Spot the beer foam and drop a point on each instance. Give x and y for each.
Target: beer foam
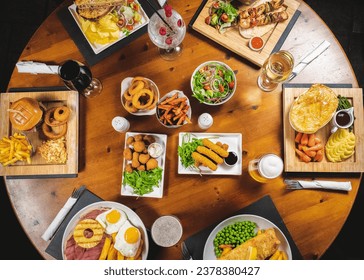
(271, 166)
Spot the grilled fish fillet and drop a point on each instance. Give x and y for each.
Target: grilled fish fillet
(266, 243)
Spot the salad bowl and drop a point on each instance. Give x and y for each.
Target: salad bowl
(213, 83)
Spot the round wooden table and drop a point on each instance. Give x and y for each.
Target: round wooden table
(313, 218)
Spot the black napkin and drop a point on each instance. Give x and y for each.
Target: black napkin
(281, 40)
(76, 34)
(55, 246)
(264, 207)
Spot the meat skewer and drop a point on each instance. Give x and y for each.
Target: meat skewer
(266, 13)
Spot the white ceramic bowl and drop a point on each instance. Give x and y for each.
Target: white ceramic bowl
(223, 99)
(125, 85)
(168, 95)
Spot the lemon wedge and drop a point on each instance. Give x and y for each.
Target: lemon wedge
(252, 253)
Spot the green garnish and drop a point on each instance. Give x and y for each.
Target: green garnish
(189, 145)
(143, 182)
(343, 103)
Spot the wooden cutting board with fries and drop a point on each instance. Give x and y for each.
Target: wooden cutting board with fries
(35, 164)
(232, 39)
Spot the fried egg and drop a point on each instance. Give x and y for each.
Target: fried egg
(127, 241)
(112, 220)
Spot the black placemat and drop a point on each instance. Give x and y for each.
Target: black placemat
(55, 246)
(263, 207)
(76, 34)
(281, 40)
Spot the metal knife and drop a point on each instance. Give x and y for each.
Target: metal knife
(308, 58)
(47, 235)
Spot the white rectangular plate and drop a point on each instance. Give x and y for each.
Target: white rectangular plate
(157, 191)
(234, 140)
(97, 48)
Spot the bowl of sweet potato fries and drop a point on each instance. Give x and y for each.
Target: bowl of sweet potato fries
(174, 110)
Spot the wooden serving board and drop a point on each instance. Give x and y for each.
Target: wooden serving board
(352, 164)
(39, 166)
(232, 39)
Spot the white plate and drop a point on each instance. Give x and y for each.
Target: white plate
(125, 84)
(97, 48)
(234, 140)
(157, 191)
(262, 223)
(132, 217)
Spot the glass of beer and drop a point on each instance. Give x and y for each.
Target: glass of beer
(265, 168)
(276, 69)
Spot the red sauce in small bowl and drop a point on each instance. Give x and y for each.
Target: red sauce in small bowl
(256, 43)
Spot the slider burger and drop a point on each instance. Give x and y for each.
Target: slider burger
(25, 114)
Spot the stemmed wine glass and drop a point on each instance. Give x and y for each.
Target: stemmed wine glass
(166, 29)
(277, 68)
(77, 76)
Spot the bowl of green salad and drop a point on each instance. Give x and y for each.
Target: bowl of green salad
(213, 83)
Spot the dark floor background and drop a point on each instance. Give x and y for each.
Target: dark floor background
(21, 18)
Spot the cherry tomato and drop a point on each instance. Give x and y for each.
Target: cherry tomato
(224, 17)
(216, 5)
(231, 84)
(207, 87)
(208, 20)
(129, 27)
(221, 88)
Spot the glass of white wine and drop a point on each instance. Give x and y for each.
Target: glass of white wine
(276, 69)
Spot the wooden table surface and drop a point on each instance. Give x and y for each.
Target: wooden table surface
(314, 218)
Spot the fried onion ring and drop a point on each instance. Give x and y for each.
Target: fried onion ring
(62, 113)
(136, 87)
(51, 134)
(130, 107)
(50, 120)
(136, 99)
(152, 106)
(127, 95)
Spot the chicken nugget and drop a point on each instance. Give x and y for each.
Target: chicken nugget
(210, 154)
(130, 140)
(135, 161)
(143, 158)
(152, 163)
(139, 146)
(128, 168)
(148, 139)
(138, 137)
(141, 167)
(128, 154)
(204, 161)
(220, 151)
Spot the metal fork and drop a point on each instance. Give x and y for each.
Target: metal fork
(185, 253)
(315, 184)
(76, 193)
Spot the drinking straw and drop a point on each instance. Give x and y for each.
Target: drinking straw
(156, 11)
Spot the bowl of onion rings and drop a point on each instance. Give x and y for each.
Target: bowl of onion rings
(174, 109)
(139, 95)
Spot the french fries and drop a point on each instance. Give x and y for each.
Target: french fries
(279, 255)
(109, 252)
(15, 148)
(173, 110)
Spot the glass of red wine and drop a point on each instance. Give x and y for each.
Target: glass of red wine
(77, 76)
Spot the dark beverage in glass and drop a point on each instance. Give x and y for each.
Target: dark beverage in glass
(78, 76)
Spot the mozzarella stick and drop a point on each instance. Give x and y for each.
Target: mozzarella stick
(204, 161)
(220, 151)
(210, 154)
